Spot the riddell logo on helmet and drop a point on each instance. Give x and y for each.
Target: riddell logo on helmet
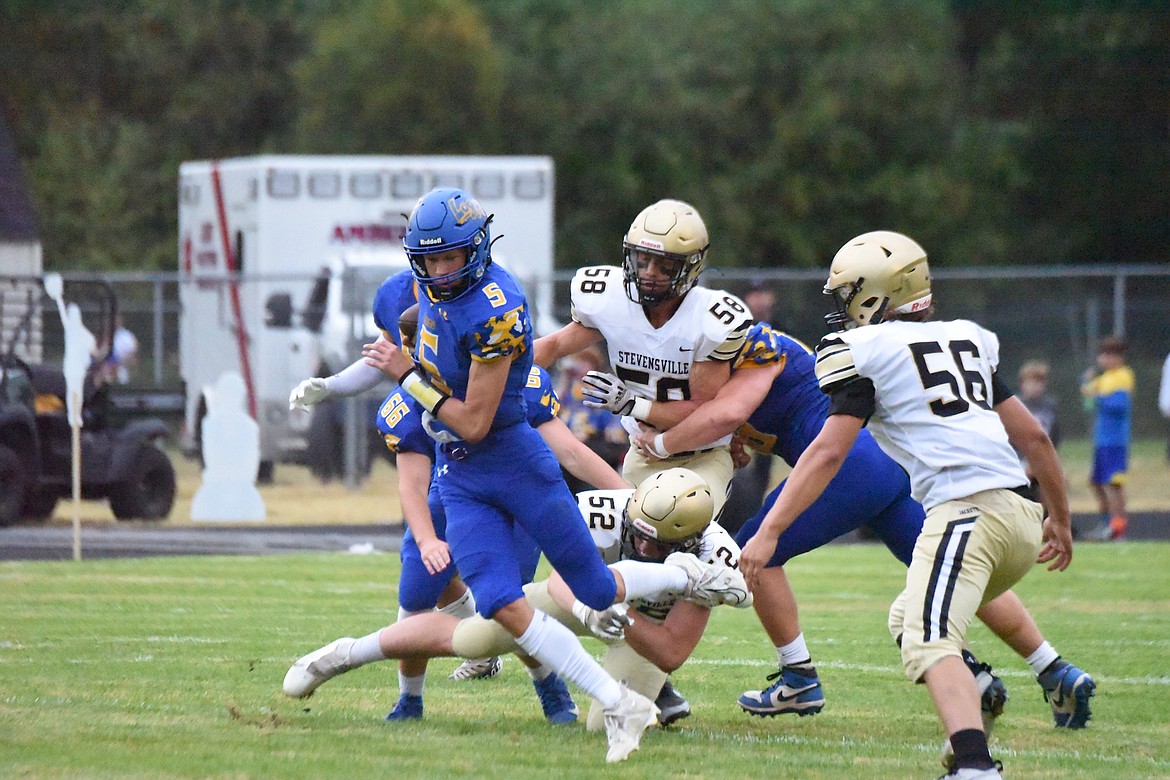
(644, 528)
(430, 241)
(652, 244)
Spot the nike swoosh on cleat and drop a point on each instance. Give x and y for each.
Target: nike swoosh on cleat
(796, 693)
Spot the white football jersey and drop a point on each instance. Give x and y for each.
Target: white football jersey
(603, 510)
(933, 416)
(655, 363)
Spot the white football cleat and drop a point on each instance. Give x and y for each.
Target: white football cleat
(711, 584)
(311, 671)
(478, 668)
(625, 722)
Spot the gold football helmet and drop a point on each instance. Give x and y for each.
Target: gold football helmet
(673, 233)
(667, 513)
(875, 274)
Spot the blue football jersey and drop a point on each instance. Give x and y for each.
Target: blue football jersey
(399, 420)
(488, 323)
(399, 417)
(395, 295)
(793, 411)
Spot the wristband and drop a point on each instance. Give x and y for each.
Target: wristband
(581, 611)
(422, 391)
(641, 410)
(657, 447)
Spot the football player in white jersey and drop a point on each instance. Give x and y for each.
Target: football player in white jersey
(667, 517)
(934, 403)
(668, 338)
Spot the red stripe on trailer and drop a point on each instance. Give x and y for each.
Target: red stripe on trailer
(234, 290)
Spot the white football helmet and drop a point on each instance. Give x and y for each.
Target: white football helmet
(875, 274)
(670, 509)
(674, 232)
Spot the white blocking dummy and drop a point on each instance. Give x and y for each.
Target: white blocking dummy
(231, 456)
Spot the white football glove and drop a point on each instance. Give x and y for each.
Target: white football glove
(607, 624)
(606, 391)
(436, 430)
(309, 392)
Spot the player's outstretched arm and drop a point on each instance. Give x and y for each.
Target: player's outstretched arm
(668, 645)
(817, 466)
(701, 424)
(414, 479)
(355, 378)
(1028, 436)
(570, 339)
(577, 458)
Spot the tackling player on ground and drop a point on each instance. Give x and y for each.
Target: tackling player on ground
(668, 516)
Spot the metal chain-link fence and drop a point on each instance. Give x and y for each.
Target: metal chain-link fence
(1053, 314)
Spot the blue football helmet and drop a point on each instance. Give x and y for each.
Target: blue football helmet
(448, 218)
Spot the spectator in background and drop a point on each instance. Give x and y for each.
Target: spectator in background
(1108, 392)
(123, 354)
(1164, 397)
(750, 483)
(1043, 405)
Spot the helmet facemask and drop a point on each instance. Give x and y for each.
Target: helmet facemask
(667, 513)
(681, 272)
(670, 235)
(844, 297)
(633, 531)
(876, 275)
(446, 219)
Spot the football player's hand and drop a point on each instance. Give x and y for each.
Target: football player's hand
(607, 624)
(385, 356)
(754, 557)
(647, 442)
(1058, 545)
(309, 392)
(606, 391)
(435, 554)
(740, 457)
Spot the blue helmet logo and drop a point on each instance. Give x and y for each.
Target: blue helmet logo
(447, 218)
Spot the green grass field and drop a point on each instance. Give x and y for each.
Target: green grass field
(172, 668)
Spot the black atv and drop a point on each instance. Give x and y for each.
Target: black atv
(120, 462)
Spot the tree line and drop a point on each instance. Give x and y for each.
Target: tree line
(994, 133)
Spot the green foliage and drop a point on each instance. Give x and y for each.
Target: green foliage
(993, 133)
(172, 668)
(400, 78)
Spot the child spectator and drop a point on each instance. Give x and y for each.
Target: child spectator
(1108, 392)
(1033, 378)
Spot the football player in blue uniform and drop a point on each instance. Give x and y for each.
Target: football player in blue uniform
(775, 403)
(428, 579)
(473, 360)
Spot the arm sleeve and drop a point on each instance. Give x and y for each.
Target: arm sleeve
(1000, 392)
(355, 378)
(856, 399)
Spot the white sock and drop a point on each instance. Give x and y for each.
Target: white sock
(367, 650)
(411, 685)
(1042, 657)
(557, 647)
(795, 652)
(462, 607)
(644, 580)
